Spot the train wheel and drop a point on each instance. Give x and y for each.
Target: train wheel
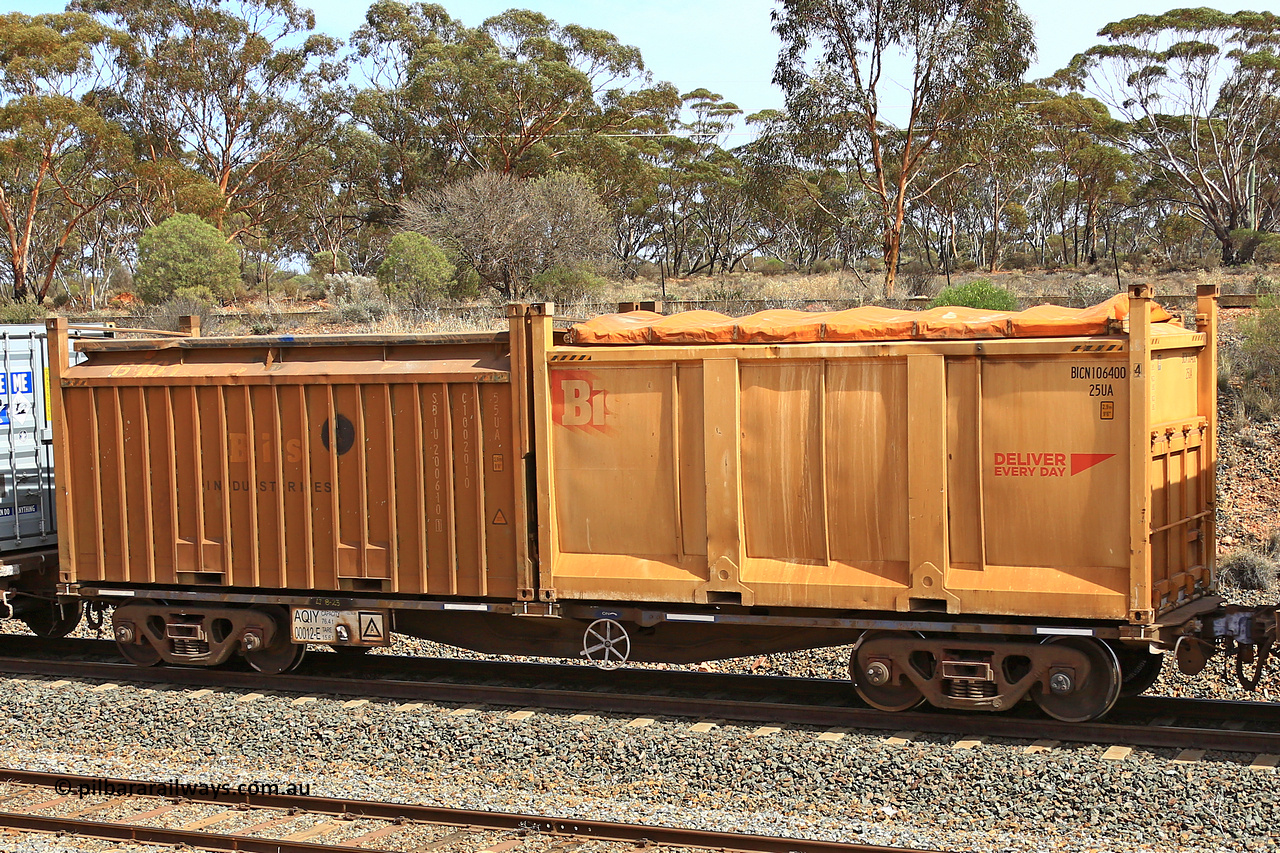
(57, 620)
(1138, 671)
(282, 655)
(876, 682)
(1073, 701)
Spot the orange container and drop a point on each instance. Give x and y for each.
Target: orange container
(1050, 464)
(378, 464)
(950, 461)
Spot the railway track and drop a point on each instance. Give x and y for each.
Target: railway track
(79, 806)
(1144, 721)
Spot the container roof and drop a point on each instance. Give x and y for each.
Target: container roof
(869, 323)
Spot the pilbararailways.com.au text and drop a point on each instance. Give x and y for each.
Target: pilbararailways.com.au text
(177, 788)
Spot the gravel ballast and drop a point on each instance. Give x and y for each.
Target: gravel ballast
(922, 793)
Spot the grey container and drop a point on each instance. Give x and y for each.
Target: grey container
(27, 516)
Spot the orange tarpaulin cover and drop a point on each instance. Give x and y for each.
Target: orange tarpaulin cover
(868, 323)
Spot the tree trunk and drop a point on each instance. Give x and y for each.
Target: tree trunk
(892, 249)
(20, 288)
(1228, 251)
(995, 228)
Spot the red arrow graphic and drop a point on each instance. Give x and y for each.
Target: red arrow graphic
(1085, 461)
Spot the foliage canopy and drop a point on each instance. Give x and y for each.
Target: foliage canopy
(185, 255)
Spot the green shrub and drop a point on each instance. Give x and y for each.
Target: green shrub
(566, 285)
(167, 314)
(416, 272)
(1247, 570)
(356, 299)
(772, 266)
(199, 293)
(298, 285)
(322, 264)
(1136, 261)
(465, 285)
(1258, 359)
(22, 312)
(1090, 291)
(1019, 261)
(263, 322)
(1257, 246)
(357, 311)
(185, 253)
(979, 293)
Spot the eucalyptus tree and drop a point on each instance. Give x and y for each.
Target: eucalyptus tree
(694, 164)
(1200, 91)
(515, 94)
(237, 93)
(838, 67)
(1000, 143)
(330, 213)
(507, 230)
(61, 160)
(1066, 125)
(422, 143)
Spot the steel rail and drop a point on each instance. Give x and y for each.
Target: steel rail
(594, 830)
(818, 691)
(139, 834)
(770, 707)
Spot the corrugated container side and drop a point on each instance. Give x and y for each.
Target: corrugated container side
(383, 466)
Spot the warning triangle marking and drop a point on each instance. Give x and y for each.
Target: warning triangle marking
(499, 518)
(371, 629)
(1085, 461)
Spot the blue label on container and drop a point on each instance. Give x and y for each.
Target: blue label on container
(30, 509)
(18, 382)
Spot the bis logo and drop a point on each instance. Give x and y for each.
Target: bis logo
(579, 401)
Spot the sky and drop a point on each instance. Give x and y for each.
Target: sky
(728, 46)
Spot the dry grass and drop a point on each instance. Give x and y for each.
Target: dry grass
(1032, 285)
